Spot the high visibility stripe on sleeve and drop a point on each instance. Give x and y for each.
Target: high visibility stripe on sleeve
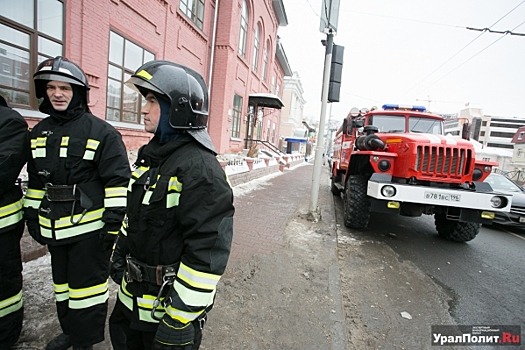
(182, 316)
(11, 214)
(145, 305)
(135, 174)
(197, 279)
(193, 297)
(33, 198)
(115, 197)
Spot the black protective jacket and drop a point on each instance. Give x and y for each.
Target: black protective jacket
(83, 157)
(180, 213)
(14, 152)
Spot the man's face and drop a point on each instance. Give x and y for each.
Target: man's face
(59, 94)
(151, 113)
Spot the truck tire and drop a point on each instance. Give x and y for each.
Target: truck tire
(333, 187)
(356, 202)
(455, 230)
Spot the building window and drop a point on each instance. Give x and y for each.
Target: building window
(237, 116)
(520, 152)
(265, 61)
(244, 29)
(520, 135)
(268, 124)
(273, 133)
(123, 103)
(30, 32)
(256, 43)
(194, 10)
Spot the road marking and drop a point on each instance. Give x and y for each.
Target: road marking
(512, 233)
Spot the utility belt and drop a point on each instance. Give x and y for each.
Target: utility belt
(61, 193)
(141, 272)
(75, 194)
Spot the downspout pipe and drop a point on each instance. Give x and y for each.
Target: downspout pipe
(212, 51)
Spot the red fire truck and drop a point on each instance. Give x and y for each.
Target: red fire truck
(398, 160)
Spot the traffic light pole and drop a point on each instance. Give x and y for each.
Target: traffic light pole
(319, 148)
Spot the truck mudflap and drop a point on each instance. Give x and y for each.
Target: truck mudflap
(436, 196)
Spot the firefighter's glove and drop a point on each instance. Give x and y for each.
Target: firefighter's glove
(34, 231)
(118, 259)
(108, 235)
(172, 334)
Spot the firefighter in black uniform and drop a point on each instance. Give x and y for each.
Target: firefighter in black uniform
(14, 152)
(76, 199)
(175, 242)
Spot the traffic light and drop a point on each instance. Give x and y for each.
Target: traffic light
(336, 71)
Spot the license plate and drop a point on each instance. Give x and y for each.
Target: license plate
(522, 218)
(443, 197)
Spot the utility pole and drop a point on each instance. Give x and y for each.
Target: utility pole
(329, 17)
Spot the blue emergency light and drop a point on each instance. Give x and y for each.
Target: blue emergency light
(393, 106)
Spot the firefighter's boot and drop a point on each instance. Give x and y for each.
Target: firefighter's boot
(60, 342)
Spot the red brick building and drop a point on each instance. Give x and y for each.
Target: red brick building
(232, 43)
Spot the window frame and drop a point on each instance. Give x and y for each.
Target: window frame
(243, 31)
(236, 116)
(35, 49)
(195, 13)
(124, 72)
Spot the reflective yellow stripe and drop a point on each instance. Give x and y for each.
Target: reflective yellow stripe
(145, 305)
(89, 291)
(174, 184)
(35, 193)
(11, 214)
(182, 316)
(63, 146)
(115, 192)
(172, 200)
(89, 302)
(12, 304)
(92, 144)
(147, 197)
(61, 292)
(137, 173)
(89, 216)
(89, 155)
(193, 297)
(198, 279)
(124, 296)
(11, 220)
(38, 147)
(9, 209)
(86, 297)
(76, 230)
(115, 202)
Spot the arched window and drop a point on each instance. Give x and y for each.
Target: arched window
(244, 29)
(256, 44)
(265, 60)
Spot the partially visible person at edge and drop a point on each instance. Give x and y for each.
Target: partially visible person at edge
(175, 241)
(14, 152)
(76, 199)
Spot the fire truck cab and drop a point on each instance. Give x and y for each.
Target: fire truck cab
(398, 160)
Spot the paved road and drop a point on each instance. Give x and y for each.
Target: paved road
(480, 282)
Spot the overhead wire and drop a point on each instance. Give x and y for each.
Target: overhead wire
(462, 49)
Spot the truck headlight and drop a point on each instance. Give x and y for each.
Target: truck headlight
(498, 202)
(388, 191)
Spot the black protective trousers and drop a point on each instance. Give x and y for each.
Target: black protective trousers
(123, 337)
(81, 266)
(10, 284)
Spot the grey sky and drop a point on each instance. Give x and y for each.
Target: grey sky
(409, 52)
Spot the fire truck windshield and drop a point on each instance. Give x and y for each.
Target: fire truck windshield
(397, 124)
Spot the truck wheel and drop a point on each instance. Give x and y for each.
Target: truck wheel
(455, 230)
(356, 203)
(333, 187)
